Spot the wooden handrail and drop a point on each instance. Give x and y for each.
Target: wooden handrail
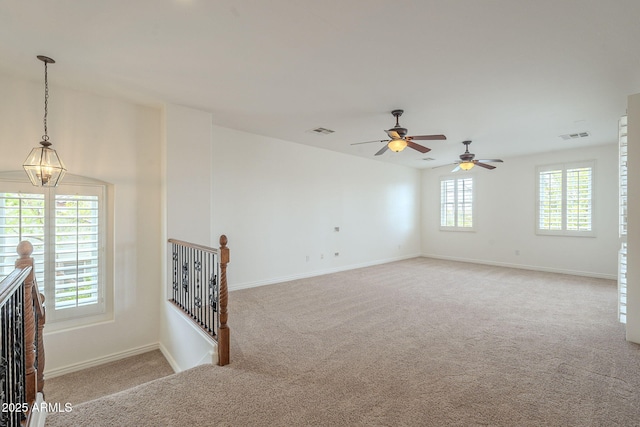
(9, 284)
(194, 246)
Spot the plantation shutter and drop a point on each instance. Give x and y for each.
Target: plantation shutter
(22, 217)
(579, 199)
(456, 203)
(77, 247)
(550, 200)
(447, 203)
(66, 231)
(622, 253)
(465, 202)
(565, 199)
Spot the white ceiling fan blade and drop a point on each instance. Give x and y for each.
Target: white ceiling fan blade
(369, 142)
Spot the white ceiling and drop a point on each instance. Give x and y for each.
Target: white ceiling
(512, 75)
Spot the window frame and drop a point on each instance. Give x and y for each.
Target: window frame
(13, 182)
(563, 168)
(457, 203)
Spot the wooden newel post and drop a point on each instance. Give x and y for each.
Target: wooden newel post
(40, 344)
(223, 329)
(25, 249)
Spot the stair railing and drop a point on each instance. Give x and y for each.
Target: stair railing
(22, 358)
(199, 288)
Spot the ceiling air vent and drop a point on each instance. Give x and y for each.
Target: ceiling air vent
(576, 135)
(322, 131)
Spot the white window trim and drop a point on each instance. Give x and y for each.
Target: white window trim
(16, 181)
(456, 178)
(564, 166)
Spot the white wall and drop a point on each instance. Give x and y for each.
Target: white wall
(119, 143)
(633, 217)
(505, 218)
(187, 192)
(187, 173)
(278, 203)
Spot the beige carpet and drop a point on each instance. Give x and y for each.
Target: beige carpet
(420, 342)
(92, 383)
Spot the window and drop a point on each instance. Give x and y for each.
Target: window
(565, 199)
(66, 227)
(456, 203)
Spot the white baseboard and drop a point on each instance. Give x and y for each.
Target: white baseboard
(526, 267)
(100, 360)
(316, 273)
(209, 357)
(172, 362)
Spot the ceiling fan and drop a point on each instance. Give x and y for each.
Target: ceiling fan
(399, 139)
(467, 161)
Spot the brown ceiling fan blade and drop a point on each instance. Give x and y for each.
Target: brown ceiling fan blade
(418, 147)
(484, 165)
(369, 142)
(490, 160)
(382, 150)
(393, 134)
(428, 137)
(456, 169)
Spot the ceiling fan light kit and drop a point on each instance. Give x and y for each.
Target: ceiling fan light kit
(467, 160)
(398, 139)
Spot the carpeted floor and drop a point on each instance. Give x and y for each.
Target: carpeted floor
(420, 342)
(92, 383)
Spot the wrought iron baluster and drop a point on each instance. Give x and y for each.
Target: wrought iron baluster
(196, 286)
(174, 260)
(13, 378)
(197, 270)
(203, 292)
(202, 284)
(191, 282)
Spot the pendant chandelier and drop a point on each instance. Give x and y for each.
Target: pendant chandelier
(43, 166)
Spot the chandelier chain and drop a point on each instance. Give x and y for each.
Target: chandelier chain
(45, 137)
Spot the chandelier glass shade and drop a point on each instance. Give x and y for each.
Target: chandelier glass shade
(397, 145)
(44, 167)
(467, 165)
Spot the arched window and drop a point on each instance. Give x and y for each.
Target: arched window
(67, 226)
